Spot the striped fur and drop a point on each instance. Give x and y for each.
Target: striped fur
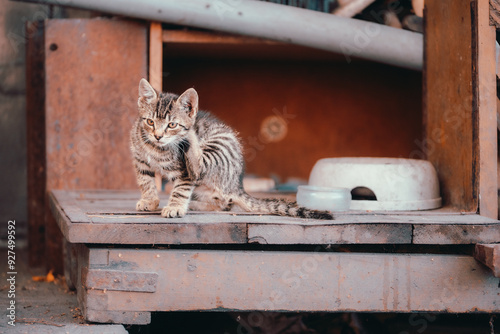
(200, 154)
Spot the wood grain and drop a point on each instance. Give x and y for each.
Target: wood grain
(485, 85)
(90, 217)
(302, 281)
(448, 100)
(489, 255)
(460, 103)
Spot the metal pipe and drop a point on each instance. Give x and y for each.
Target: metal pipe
(350, 37)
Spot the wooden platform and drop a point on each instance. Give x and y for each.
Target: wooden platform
(124, 264)
(109, 217)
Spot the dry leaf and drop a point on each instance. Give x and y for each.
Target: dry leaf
(49, 278)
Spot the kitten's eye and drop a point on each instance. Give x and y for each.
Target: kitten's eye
(150, 122)
(172, 125)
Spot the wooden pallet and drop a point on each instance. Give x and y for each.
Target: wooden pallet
(125, 265)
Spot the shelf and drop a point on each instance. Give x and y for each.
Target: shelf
(108, 217)
(215, 45)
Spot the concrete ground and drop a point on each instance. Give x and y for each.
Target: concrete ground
(41, 307)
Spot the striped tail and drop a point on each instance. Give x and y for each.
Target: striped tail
(280, 207)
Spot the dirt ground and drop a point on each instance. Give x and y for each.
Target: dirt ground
(41, 307)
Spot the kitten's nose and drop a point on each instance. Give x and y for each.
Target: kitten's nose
(158, 137)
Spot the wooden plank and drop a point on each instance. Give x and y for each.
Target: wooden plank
(486, 90)
(489, 255)
(200, 217)
(214, 217)
(330, 234)
(157, 234)
(59, 216)
(302, 281)
(240, 228)
(445, 234)
(120, 280)
(35, 135)
(449, 110)
(70, 257)
(118, 317)
(71, 208)
(203, 37)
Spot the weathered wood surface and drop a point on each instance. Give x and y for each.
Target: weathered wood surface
(489, 255)
(448, 103)
(295, 281)
(459, 103)
(108, 217)
(486, 90)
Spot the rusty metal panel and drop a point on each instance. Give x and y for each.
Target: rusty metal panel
(92, 71)
(302, 281)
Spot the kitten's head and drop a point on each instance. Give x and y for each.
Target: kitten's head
(166, 118)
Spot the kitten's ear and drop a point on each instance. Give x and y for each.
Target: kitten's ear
(146, 92)
(189, 101)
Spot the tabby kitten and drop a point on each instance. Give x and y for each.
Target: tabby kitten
(200, 154)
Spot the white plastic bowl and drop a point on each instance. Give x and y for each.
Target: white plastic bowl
(398, 184)
(324, 198)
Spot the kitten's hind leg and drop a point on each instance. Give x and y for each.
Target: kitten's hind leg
(208, 199)
(179, 199)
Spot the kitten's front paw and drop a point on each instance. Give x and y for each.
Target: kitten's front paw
(147, 204)
(173, 212)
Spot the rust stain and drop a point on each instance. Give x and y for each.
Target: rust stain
(218, 302)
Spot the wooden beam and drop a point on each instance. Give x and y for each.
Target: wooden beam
(460, 117)
(489, 255)
(486, 104)
(190, 280)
